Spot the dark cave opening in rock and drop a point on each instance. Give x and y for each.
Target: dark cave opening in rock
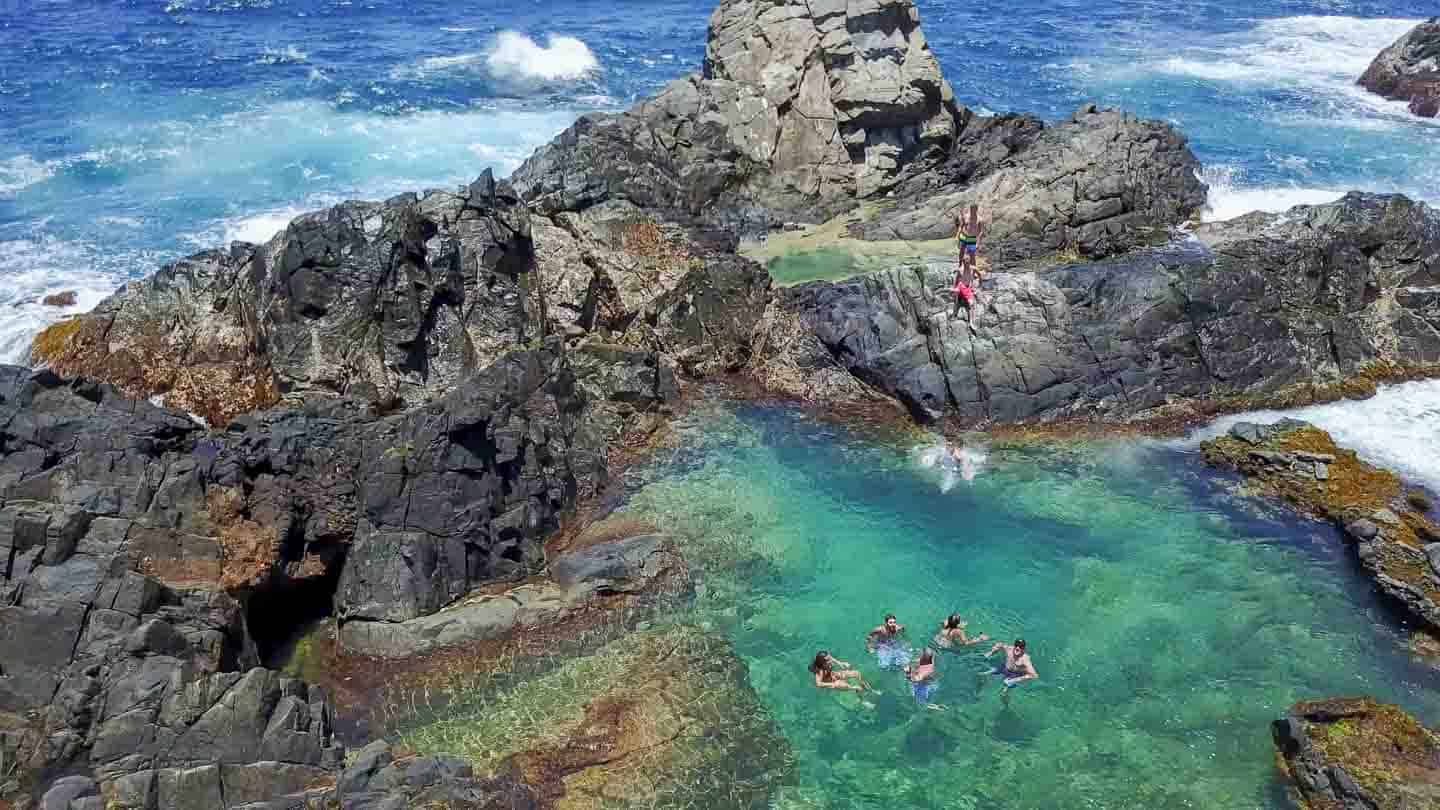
(282, 618)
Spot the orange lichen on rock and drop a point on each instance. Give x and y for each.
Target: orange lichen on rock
(1392, 761)
(249, 552)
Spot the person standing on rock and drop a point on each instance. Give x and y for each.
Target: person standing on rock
(967, 277)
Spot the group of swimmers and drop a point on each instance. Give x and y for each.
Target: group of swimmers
(888, 644)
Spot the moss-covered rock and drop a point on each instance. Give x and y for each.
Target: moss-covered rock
(1356, 753)
(656, 718)
(1301, 464)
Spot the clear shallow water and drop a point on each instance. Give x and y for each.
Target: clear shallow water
(1169, 626)
(137, 131)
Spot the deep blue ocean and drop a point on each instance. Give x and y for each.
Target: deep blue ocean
(136, 131)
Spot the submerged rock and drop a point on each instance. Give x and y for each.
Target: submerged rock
(1357, 753)
(1392, 540)
(66, 298)
(1409, 70)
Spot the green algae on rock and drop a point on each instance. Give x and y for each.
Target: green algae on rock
(662, 717)
(1348, 753)
(1301, 464)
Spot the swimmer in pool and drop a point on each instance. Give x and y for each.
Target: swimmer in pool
(923, 678)
(952, 634)
(1017, 668)
(887, 645)
(833, 674)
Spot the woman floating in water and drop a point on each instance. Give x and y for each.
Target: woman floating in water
(832, 674)
(922, 679)
(889, 648)
(952, 634)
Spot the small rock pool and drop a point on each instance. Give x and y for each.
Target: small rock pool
(1170, 622)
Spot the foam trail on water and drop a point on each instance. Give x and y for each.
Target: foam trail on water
(1398, 428)
(21, 172)
(955, 464)
(515, 56)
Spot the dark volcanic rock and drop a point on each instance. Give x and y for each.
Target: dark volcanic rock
(1409, 70)
(1256, 307)
(395, 303)
(804, 109)
(1356, 754)
(125, 528)
(60, 299)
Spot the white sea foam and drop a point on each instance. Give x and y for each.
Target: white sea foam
(288, 55)
(21, 172)
(1229, 197)
(32, 268)
(1398, 428)
(516, 57)
(953, 464)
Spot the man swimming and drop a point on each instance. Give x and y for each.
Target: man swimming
(922, 678)
(1017, 669)
(885, 642)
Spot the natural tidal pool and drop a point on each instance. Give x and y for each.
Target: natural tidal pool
(1168, 621)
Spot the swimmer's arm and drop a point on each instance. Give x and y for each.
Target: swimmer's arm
(998, 646)
(1030, 673)
(842, 664)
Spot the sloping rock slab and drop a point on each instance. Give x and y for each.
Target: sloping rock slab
(1409, 70)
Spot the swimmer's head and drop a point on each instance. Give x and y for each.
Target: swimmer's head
(954, 622)
(821, 662)
(927, 656)
(1020, 645)
(890, 621)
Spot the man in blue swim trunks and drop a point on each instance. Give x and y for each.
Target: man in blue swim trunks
(1017, 668)
(885, 642)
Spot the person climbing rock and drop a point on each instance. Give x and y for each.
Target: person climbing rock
(968, 231)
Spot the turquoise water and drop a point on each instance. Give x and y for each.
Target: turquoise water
(1169, 625)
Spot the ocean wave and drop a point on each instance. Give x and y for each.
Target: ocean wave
(288, 55)
(515, 59)
(1386, 429)
(34, 267)
(21, 172)
(1229, 197)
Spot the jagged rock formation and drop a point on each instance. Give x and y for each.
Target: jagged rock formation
(1397, 544)
(1097, 184)
(804, 109)
(1356, 753)
(1255, 310)
(124, 527)
(1409, 70)
(392, 303)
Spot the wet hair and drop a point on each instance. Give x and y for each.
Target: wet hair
(821, 662)
(889, 616)
(927, 656)
(974, 207)
(1020, 643)
(952, 622)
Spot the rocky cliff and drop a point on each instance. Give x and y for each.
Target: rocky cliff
(803, 109)
(1262, 309)
(1409, 70)
(1356, 753)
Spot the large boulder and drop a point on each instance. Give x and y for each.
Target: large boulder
(799, 108)
(1266, 309)
(1409, 70)
(1357, 754)
(804, 109)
